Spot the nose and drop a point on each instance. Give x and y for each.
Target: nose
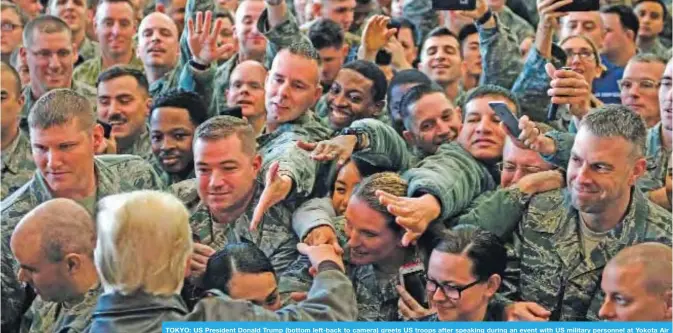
(438, 295)
(607, 310)
(167, 143)
(353, 239)
(216, 180)
(484, 126)
(340, 99)
(583, 174)
(284, 89)
(518, 174)
(444, 128)
(54, 160)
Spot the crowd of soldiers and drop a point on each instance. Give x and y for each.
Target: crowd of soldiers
(333, 160)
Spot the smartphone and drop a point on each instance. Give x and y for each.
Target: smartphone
(553, 108)
(581, 6)
(383, 58)
(234, 111)
(107, 128)
(454, 4)
(506, 117)
(412, 277)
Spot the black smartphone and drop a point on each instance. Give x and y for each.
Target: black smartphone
(107, 128)
(412, 277)
(454, 4)
(233, 111)
(506, 116)
(383, 58)
(581, 6)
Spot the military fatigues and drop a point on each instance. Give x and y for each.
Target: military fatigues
(88, 71)
(17, 165)
(88, 50)
(141, 146)
(421, 14)
(658, 49)
(114, 174)
(657, 158)
(72, 317)
(80, 87)
(520, 27)
(555, 270)
(170, 178)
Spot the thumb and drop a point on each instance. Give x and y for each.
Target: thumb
(408, 238)
(272, 174)
(550, 69)
(298, 296)
(308, 146)
(339, 250)
(303, 248)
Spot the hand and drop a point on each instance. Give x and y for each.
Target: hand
(542, 181)
(408, 308)
(200, 256)
(298, 296)
(395, 48)
(340, 148)
(531, 137)
(318, 254)
(476, 13)
(569, 87)
(526, 311)
(203, 42)
(376, 33)
(548, 14)
(277, 187)
(413, 214)
(323, 235)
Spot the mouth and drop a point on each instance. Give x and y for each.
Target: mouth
(169, 160)
(441, 66)
(279, 108)
(483, 142)
(341, 114)
(244, 102)
(156, 50)
(578, 70)
(117, 122)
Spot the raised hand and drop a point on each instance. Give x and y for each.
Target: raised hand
(339, 148)
(323, 235)
(277, 187)
(202, 40)
(569, 87)
(413, 214)
(376, 33)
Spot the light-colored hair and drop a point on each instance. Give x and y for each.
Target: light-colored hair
(222, 127)
(64, 227)
(144, 240)
(59, 107)
(594, 49)
(656, 260)
(389, 182)
(616, 120)
(4, 5)
(44, 24)
(647, 58)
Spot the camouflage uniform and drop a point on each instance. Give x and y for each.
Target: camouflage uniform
(82, 88)
(88, 71)
(658, 49)
(517, 25)
(17, 165)
(274, 235)
(114, 174)
(73, 317)
(89, 49)
(421, 14)
(555, 271)
(170, 178)
(141, 146)
(499, 50)
(657, 157)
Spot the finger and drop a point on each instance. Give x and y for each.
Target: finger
(569, 82)
(216, 30)
(303, 248)
(564, 92)
(399, 211)
(224, 49)
(386, 198)
(199, 23)
(320, 149)
(272, 174)
(550, 69)
(298, 296)
(538, 310)
(390, 33)
(308, 146)
(199, 259)
(312, 271)
(556, 5)
(409, 238)
(343, 158)
(408, 223)
(190, 27)
(261, 208)
(337, 247)
(404, 310)
(409, 301)
(207, 23)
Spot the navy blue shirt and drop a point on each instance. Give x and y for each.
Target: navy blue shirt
(605, 88)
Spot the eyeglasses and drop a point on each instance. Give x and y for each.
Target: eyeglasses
(48, 54)
(510, 167)
(9, 26)
(583, 54)
(451, 292)
(643, 84)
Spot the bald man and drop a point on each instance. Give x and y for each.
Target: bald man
(159, 50)
(637, 284)
(53, 245)
(246, 89)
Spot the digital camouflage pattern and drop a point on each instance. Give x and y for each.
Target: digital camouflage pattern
(89, 70)
(71, 317)
(141, 146)
(17, 165)
(89, 92)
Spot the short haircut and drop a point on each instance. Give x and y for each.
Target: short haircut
(235, 257)
(326, 33)
(59, 107)
(121, 71)
(440, 32)
(389, 182)
(627, 17)
(401, 22)
(224, 14)
(128, 256)
(100, 2)
(64, 227)
(183, 99)
(616, 120)
(45, 24)
(411, 97)
(16, 79)
(594, 49)
(656, 260)
(222, 127)
(484, 249)
(661, 3)
(7, 5)
(372, 72)
(490, 90)
(404, 77)
(648, 58)
(304, 50)
(466, 31)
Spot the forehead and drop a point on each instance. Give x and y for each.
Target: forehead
(581, 17)
(644, 70)
(576, 43)
(121, 9)
(479, 105)
(340, 3)
(10, 15)
(440, 41)
(353, 79)
(431, 105)
(158, 21)
(513, 154)
(295, 66)
(405, 33)
(56, 3)
(120, 85)
(625, 278)
(649, 6)
(169, 115)
(361, 216)
(213, 151)
(449, 266)
(58, 133)
(249, 72)
(53, 41)
(590, 146)
(7, 82)
(349, 171)
(249, 8)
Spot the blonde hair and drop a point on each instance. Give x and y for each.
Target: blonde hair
(594, 49)
(144, 240)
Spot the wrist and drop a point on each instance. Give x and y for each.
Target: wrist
(198, 64)
(485, 17)
(328, 265)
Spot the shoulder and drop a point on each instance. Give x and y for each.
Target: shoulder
(86, 66)
(546, 211)
(659, 222)
(84, 89)
(186, 190)
(18, 204)
(123, 162)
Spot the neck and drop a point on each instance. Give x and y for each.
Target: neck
(451, 90)
(652, 121)
(392, 264)
(127, 142)
(87, 280)
(243, 56)
(36, 90)
(666, 138)
(470, 81)
(646, 42)
(624, 54)
(258, 124)
(122, 59)
(477, 315)
(609, 218)
(78, 38)
(155, 73)
(233, 213)
(7, 136)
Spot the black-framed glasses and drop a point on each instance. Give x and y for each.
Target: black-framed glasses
(450, 291)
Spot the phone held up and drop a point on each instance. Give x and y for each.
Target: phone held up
(506, 117)
(575, 6)
(412, 278)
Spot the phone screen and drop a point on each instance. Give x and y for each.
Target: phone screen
(506, 116)
(414, 283)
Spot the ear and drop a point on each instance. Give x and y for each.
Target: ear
(21, 100)
(493, 284)
(74, 262)
(97, 136)
(408, 137)
(639, 169)
(22, 54)
(148, 106)
(318, 93)
(463, 68)
(378, 108)
(344, 49)
(669, 304)
(257, 163)
(459, 113)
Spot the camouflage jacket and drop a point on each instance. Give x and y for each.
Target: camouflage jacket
(170, 178)
(17, 165)
(168, 81)
(421, 14)
(520, 27)
(89, 49)
(88, 71)
(274, 236)
(80, 87)
(72, 317)
(554, 270)
(141, 146)
(657, 158)
(658, 49)
(114, 174)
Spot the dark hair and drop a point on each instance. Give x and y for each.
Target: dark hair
(401, 22)
(326, 33)
(183, 99)
(466, 31)
(16, 79)
(120, 71)
(490, 90)
(412, 96)
(627, 17)
(404, 77)
(660, 2)
(372, 72)
(235, 257)
(439, 32)
(484, 249)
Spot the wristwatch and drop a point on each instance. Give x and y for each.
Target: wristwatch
(484, 18)
(359, 136)
(197, 66)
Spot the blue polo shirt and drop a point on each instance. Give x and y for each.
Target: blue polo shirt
(605, 88)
